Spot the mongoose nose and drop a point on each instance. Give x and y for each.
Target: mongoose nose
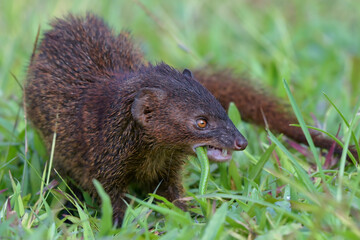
(240, 143)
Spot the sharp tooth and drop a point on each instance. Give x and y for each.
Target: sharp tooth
(224, 152)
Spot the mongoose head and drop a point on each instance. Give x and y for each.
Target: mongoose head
(176, 110)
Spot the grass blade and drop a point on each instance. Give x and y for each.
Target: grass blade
(347, 124)
(302, 175)
(304, 129)
(164, 211)
(256, 170)
(205, 169)
(215, 224)
(333, 137)
(205, 172)
(106, 210)
(343, 158)
(88, 234)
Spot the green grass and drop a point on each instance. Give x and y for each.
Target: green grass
(269, 191)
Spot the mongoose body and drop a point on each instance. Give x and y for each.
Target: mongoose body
(119, 119)
(124, 122)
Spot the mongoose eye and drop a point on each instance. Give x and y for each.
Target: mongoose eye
(201, 123)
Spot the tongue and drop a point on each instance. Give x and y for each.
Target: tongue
(218, 155)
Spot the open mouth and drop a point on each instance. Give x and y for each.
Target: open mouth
(217, 154)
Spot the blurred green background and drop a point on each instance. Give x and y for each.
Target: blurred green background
(313, 44)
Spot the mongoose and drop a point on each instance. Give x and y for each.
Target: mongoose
(121, 120)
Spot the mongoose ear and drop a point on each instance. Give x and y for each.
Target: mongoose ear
(188, 73)
(145, 102)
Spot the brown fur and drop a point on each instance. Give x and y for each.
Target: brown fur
(124, 122)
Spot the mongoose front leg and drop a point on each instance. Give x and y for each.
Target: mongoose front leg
(118, 204)
(172, 189)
